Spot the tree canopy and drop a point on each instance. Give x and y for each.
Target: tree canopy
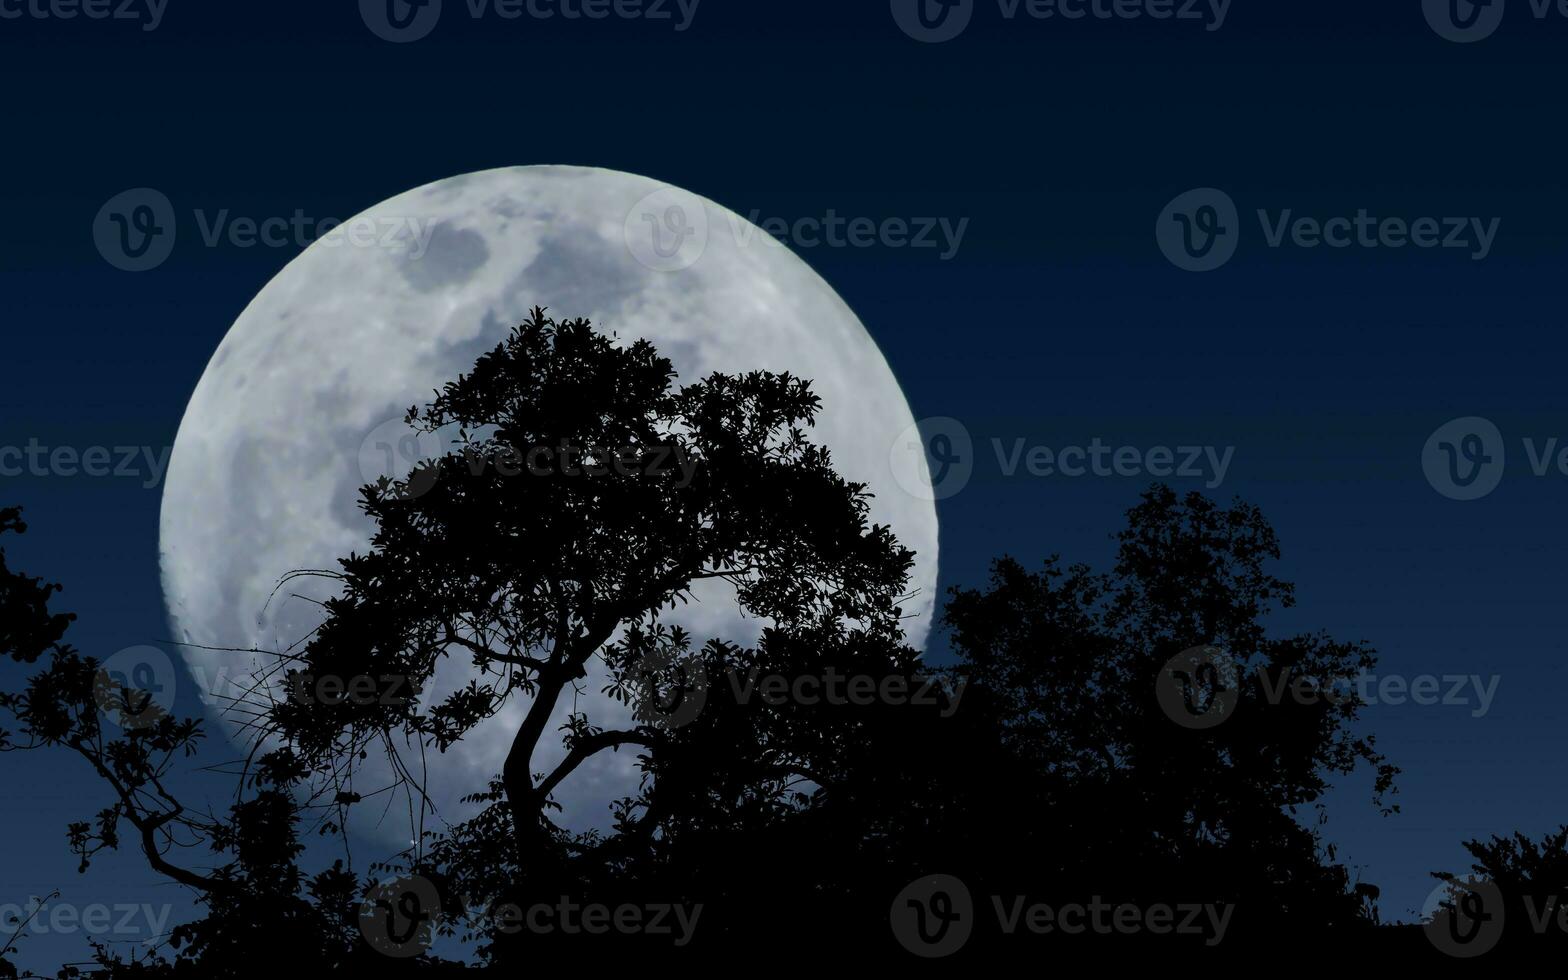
(1122, 733)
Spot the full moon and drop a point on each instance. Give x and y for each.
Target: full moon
(302, 403)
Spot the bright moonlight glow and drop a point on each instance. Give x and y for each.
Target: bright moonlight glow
(295, 408)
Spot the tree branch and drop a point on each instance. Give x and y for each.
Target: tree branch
(587, 747)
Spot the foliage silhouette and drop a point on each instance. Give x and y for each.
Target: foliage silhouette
(1039, 763)
(254, 896)
(1073, 658)
(531, 579)
(1523, 883)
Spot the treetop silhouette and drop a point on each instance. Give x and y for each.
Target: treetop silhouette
(585, 498)
(529, 577)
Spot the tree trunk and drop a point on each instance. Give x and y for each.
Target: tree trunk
(539, 860)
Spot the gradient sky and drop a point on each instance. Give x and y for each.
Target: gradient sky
(1057, 322)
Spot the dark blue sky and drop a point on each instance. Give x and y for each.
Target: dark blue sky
(1057, 322)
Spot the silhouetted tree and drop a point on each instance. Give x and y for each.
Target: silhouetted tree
(529, 577)
(1041, 763)
(1517, 885)
(1072, 659)
(261, 908)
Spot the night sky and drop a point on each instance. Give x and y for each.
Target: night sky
(1057, 321)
